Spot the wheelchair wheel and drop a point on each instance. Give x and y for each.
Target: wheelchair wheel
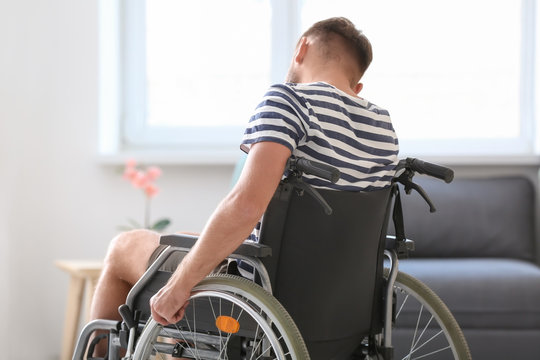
(229, 317)
(424, 327)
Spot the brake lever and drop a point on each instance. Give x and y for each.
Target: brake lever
(409, 185)
(306, 187)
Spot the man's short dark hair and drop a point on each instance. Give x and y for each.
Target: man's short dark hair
(354, 38)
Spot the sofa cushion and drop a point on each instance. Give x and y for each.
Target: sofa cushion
(475, 218)
(483, 293)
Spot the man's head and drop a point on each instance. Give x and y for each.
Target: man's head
(335, 41)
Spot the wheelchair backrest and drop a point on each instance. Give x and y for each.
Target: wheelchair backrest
(327, 269)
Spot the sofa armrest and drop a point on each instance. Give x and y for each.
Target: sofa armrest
(480, 217)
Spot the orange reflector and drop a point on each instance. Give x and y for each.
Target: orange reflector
(227, 324)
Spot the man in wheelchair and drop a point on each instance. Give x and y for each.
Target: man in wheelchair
(316, 114)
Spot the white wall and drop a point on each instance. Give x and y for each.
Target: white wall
(5, 183)
(56, 200)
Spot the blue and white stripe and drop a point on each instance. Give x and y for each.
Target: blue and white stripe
(322, 123)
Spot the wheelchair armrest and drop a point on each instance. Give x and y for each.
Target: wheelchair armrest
(249, 248)
(178, 240)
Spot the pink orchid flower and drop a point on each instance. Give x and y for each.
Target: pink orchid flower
(153, 172)
(140, 180)
(144, 180)
(151, 190)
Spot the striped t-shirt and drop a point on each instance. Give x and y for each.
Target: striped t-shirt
(322, 123)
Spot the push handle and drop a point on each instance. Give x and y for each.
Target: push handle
(438, 171)
(324, 171)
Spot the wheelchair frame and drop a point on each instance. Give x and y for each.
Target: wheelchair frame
(133, 336)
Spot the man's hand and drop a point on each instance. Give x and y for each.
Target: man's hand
(169, 305)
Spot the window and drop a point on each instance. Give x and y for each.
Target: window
(457, 77)
(196, 72)
(454, 75)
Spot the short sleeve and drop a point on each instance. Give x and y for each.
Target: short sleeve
(278, 118)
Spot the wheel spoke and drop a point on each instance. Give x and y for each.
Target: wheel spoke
(215, 318)
(423, 331)
(223, 350)
(426, 342)
(158, 353)
(432, 353)
(402, 305)
(195, 329)
(415, 331)
(181, 343)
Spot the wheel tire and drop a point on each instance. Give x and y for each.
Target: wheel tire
(233, 294)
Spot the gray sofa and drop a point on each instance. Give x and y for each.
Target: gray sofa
(478, 253)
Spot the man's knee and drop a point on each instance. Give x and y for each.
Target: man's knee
(129, 252)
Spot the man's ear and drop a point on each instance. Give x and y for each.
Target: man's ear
(358, 88)
(301, 50)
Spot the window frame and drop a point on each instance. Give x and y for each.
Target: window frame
(123, 128)
(202, 142)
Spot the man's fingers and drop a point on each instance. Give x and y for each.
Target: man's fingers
(159, 319)
(160, 315)
(180, 313)
(164, 311)
(176, 318)
(155, 314)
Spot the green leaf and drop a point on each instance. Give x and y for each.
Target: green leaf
(134, 224)
(160, 224)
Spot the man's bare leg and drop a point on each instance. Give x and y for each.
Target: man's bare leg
(125, 262)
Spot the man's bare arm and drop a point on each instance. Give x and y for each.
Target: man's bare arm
(230, 224)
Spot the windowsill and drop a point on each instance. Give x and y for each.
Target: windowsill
(174, 157)
(230, 157)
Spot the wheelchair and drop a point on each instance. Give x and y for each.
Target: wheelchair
(322, 283)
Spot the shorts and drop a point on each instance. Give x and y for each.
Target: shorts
(172, 261)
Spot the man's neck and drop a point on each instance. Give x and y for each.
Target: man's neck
(336, 79)
(341, 85)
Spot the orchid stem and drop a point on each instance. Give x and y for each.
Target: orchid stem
(147, 213)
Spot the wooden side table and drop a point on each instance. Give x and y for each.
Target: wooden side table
(83, 278)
